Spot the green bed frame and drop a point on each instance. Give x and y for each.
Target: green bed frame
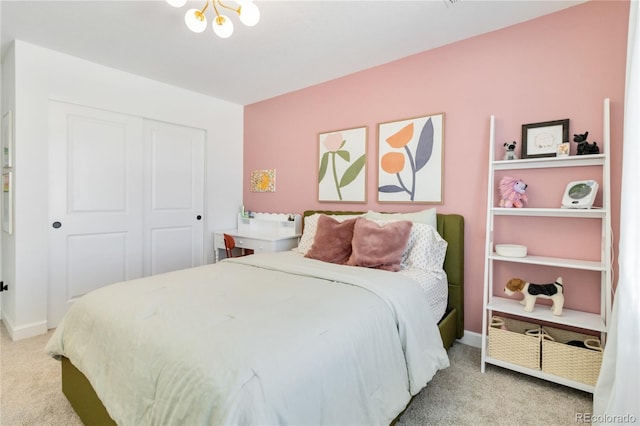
(91, 411)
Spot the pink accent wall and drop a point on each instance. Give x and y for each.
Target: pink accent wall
(558, 66)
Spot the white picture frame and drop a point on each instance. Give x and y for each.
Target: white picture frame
(563, 149)
(7, 202)
(7, 140)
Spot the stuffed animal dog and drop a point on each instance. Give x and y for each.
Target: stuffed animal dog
(510, 151)
(584, 147)
(553, 291)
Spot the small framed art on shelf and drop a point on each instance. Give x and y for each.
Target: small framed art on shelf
(542, 139)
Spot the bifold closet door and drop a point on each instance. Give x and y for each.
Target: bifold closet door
(126, 200)
(174, 198)
(95, 188)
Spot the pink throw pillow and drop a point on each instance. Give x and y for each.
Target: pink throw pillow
(379, 246)
(332, 242)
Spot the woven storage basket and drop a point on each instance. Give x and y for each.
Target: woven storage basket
(571, 362)
(513, 345)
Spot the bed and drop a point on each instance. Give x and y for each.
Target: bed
(451, 228)
(301, 342)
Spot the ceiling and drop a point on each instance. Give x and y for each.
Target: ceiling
(296, 44)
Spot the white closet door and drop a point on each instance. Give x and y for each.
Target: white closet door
(174, 200)
(95, 192)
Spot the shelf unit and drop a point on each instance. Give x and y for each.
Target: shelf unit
(493, 304)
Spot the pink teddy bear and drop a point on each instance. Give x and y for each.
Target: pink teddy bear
(512, 192)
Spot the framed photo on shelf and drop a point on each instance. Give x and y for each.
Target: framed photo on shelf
(563, 149)
(542, 139)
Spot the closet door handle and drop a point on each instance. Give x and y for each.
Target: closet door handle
(198, 217)
(56, 225)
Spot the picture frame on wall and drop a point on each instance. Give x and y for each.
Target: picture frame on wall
(7, 202)
(411, 159)
(7, 139)
(542, 139)
(263, 180)
(342, 165)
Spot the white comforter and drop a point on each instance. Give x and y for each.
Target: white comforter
(265, 339)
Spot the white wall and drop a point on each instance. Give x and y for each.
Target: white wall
(42, 74)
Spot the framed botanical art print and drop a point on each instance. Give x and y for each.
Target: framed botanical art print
(410, 160)
(342, 160)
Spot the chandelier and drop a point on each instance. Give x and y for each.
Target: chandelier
(223, 26)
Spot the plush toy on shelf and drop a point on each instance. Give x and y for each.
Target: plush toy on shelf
(510, 151)
(553, 291)
(584, 147)
(512, 192)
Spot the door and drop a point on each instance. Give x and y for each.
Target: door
(95, 192)
(126, 199)
(174, 199)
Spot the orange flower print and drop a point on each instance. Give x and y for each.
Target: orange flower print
(392, 162)
(402, 137)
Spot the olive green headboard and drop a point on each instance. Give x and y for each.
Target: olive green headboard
(451, 227)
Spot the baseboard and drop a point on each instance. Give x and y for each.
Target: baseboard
(25, 331)
(471, 338)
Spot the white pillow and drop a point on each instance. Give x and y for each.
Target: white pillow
(426, 249)
(425, 216)
(310, 227)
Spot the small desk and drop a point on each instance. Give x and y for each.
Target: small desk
(258, 242)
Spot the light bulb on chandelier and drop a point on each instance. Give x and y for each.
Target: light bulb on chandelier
(196, 20)
(177, 3)
(222, 26)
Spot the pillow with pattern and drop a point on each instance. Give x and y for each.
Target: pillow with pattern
(428, 216)
(426, 249)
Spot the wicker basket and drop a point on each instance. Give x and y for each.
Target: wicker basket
(513, 345)
(571, 362)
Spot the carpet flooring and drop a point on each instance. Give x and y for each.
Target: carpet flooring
(30, 392)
